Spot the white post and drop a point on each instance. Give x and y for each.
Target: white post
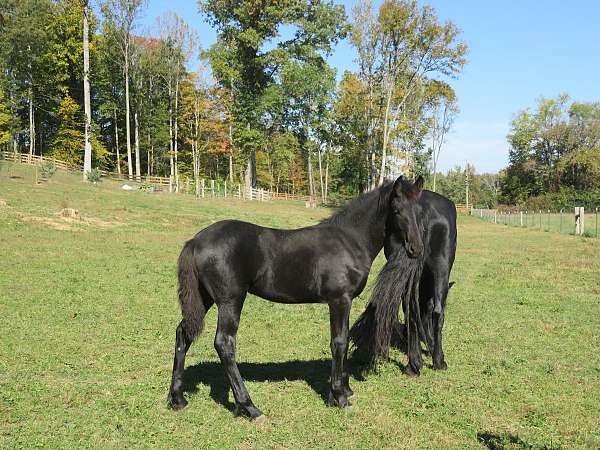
(212, 187)
(521, 213)
(202, 187)
(239, 191)
(225, 189)
(495, 216)
(579, 220)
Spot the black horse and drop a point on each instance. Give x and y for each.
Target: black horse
(325, 263)
(420, 284)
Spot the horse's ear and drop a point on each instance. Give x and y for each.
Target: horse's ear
(398, 185)
(419, 183)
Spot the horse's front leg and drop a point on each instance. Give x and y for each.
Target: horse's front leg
(339, 312)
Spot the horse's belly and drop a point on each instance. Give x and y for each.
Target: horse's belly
(287, 287)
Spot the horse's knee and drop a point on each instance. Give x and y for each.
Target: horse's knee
(224, 345)
(338, 345)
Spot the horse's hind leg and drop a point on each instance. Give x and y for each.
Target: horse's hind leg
(182, 345)
(440, 281)
(225, 339)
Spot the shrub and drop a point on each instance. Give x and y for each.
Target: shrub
(47, 169)
(94, 175)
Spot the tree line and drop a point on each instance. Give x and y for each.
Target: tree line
(554, 157)
(83, 82)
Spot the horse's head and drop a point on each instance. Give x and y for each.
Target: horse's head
(404, 215)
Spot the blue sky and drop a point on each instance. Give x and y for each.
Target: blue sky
(519, 51)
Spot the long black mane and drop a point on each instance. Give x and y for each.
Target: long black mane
(361, 207)
(397, 283)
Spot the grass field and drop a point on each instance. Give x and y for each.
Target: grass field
(88, 312)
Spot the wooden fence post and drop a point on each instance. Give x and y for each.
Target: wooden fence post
(521, 213)
(579, 220)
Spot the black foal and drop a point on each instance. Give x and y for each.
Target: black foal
(325, 263)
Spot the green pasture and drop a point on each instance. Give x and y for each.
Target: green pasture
(88, 312)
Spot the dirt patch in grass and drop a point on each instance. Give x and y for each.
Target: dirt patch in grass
(70, 223)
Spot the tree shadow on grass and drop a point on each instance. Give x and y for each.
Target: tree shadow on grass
(315, 373)
(506, 441)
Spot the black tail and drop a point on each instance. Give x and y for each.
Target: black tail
(398, 281)
(192, 306)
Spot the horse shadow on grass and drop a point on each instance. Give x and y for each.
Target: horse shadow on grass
(506, 441)
(314, 372)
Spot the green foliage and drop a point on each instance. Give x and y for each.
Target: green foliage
(47, 169)
(68, 142)
(258, 73)
(94, 175)
(483, 188)
(5, 120)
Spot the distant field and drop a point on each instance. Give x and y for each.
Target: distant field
(88, 312)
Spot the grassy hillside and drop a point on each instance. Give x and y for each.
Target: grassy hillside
(88, 312)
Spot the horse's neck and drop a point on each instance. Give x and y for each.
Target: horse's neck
(369, 228)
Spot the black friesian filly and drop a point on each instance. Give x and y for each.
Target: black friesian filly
(420, 284)
(325, 263)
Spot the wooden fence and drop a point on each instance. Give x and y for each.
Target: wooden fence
(204, 189)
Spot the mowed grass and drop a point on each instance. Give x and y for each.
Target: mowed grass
(88, 312)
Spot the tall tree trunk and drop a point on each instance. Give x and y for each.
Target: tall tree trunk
(127, 125)
(175, 134)
(172, 167)
(327, 173)
(87, 156)
(138, 170)
(231, 155)
(149, 156)
(117, 141)
(311, 185)
(386, 135)
(321, 177)
(31, 124)
(250, 175)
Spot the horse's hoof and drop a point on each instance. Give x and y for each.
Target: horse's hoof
(340, 402)
(411, 372)
(178, 406)
(260, 419)
(440, 366)
(251, 413)
(349, 393)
